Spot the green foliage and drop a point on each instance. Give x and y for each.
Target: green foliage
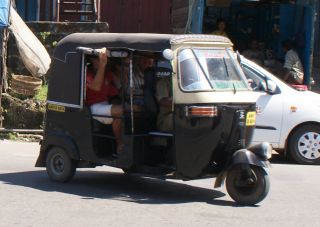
(54, 43)
(42, 93)
(44, 35)
(9, 136)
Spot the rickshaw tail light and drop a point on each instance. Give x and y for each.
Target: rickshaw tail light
(202, 111)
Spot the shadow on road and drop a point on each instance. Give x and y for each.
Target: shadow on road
(118, 186)
(279, 158)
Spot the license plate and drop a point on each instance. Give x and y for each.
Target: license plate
(251, 118)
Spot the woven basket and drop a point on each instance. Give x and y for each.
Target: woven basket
(25, 85)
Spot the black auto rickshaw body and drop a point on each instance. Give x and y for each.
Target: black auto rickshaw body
(213, 114)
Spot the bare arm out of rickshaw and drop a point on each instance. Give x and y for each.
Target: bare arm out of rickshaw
(99, 64)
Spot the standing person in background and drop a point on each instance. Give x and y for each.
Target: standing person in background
(293, 70)
(221, 27)
(254, 53)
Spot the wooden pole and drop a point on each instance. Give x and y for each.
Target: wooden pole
(1, 72)
(3, 76)
(3, 63)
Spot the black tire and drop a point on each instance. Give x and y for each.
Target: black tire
(304, 145)
(243, 191)
(60, 167)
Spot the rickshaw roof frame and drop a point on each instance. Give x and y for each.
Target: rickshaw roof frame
(144, 42)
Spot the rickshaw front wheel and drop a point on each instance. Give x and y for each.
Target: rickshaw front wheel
(247, 186)
(60, 167)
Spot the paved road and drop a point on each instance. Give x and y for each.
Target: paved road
(107, 197)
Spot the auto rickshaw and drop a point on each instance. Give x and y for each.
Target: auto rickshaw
(213, 114)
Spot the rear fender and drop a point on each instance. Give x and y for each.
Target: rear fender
(62, 141)
(242, 156)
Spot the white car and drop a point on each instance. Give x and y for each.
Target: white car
(287, 118)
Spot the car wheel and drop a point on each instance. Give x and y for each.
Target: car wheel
(247, 189)
(60, 167)
(304, 145)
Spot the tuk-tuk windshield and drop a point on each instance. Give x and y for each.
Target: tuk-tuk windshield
(210, 69)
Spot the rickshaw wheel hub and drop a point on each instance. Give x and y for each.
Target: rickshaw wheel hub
(58, 164)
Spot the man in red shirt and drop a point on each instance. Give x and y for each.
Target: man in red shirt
(99, 90)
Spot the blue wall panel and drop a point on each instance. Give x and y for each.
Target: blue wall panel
(27, 9)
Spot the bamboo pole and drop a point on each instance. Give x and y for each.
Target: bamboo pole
(3, 63)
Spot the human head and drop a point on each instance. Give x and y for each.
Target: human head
(145, 62)
(221, 24)
(94, 62)
(287, 45)
(117, 63)
(254, 45)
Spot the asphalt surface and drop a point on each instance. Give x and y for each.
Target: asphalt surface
(106, 197)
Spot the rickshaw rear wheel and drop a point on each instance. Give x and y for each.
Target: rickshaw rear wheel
(247, 188)
(60, 167)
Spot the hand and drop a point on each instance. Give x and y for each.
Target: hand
(103, 56)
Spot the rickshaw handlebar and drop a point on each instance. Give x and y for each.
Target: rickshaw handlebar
(95, 52)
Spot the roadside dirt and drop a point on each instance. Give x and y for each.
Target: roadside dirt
(22, 114)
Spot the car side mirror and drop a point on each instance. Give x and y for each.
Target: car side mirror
(269, 86)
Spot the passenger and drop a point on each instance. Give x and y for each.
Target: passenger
(120, 75)
(120, 79)
(293, 70)
(140, 65)
(99, 90)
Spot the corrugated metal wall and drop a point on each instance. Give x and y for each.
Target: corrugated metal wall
(180, 11)
(27, 9)
(137, 15)
(152, 16)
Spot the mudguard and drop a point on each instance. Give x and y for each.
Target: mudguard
(242, 156)
(57, 140)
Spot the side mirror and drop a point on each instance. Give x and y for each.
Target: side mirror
(269, 86)
(168, 54)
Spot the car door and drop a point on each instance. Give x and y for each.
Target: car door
(269, 108)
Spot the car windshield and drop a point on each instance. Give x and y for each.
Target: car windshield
(210, 69)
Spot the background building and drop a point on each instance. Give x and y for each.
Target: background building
(269, 22)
